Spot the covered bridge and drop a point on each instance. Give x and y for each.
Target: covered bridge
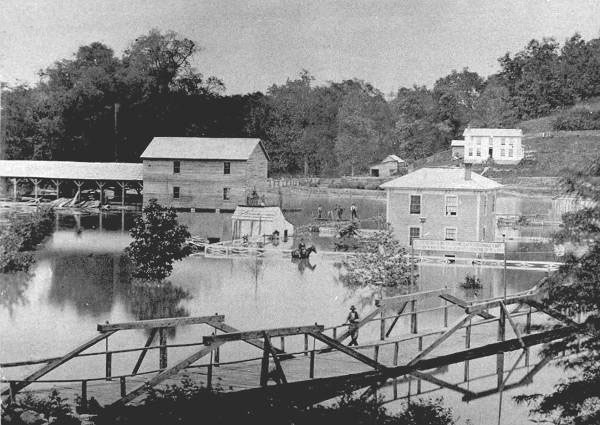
(99, 174)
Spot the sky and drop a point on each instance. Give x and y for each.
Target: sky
(252, 44)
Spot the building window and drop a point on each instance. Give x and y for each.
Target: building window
(226, 193)
(510, 153)
(502, 152)
(415, 204)
(503, 141)
(470, 151)
(451, 205)
(413, 233)
(450, 233)
(478, 151)
(176, 167)
(227, 168)
(175, 192)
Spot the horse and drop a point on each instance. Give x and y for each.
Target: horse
(304, 254)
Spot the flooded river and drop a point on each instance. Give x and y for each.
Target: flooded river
(83, 279)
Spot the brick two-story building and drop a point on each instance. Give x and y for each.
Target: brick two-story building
(442, 204)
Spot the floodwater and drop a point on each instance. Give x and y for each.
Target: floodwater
(82, 279)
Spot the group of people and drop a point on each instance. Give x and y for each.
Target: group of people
(337, 212)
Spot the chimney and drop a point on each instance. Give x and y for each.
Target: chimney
(468, 171)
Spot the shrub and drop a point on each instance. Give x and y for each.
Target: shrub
(578, 119)
(471, 282)
(158, 241)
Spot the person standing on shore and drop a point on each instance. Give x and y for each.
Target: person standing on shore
(353, 326)
(353, 212)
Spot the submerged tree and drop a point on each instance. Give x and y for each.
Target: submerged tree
(381, 261)
(574, 290)
(158, 241)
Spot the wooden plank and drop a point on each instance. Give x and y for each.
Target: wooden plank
(162, 356)
(400, 311)
(457, 325)
(167, 373)
(245, 335)
(441, 383)
(347, 350)
(160, 323)
(393, 301)
(463, 304)
(512, 324)
(278, 368)
(144, 351)
(552, 313)
(264, 366)
(222, 326)
(477, 308)
(56, 363)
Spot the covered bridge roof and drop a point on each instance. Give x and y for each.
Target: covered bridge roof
(71, 170)
(201, 148)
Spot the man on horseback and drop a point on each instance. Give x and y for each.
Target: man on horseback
(302, 248)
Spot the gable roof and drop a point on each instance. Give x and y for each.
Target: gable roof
(72, 170)
(442, 178)
(392, 158)
(457, 143)
(201, 148)
(501, 132)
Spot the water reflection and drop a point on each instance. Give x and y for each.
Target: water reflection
(148, 300)
(12, 290)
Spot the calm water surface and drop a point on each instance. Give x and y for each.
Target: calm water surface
(81, 280)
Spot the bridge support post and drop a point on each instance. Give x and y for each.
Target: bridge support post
(413, 317)
(84, 401)
(78, 183)
(57, 184)
(101, 185)
(15, 183)
(36, 186)
(500, 356)
(467, 345)
(162, 338)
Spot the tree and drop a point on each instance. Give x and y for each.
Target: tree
(574, 289)
(381, 261)
(158, 241)
(492, 109)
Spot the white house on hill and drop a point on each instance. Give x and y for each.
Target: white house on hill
(503, 145)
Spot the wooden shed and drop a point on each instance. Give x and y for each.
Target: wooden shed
(258, 221)
(390, 166)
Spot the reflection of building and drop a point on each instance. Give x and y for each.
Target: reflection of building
(503, 145)
(442, 203)
(203, 174)
(259, 221)
(391, 165)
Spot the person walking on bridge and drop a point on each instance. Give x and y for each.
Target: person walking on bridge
(353, 326)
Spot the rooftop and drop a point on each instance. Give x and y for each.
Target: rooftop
(392, 158)
(457, 143)
(501, 132)
(443, 178)
(201, 148)
(72, 170)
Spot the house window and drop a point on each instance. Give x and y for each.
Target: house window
(503, 141)
(175, 192)
(227, 168)
(470, 151)
(176, 167)
(451, 205)
(502, 152)
(415, 204)
(478, 151)
(413, 233)
(450, 233)
(510, 152)
(226, 193)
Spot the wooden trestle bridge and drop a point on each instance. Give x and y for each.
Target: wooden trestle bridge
(322, 367)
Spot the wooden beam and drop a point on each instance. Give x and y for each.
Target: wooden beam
(222, 326)
(527, 379)
(417, 296)
(552, 313)
(476, 308)
(512, 324)
(441, 383)
(457, 325)
(347, 350)
(167, 373)
(144, 351)
(245, 335)
(160, 323)
(463, 304)
(400, 311)
(56, 363)
(278, 369)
